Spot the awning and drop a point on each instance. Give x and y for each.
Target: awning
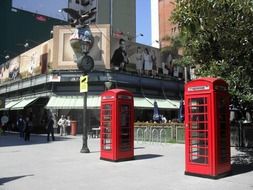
(76, 102)
(142, 103)
(10, 104)
(164, 103)
(72, 102)
(23, 103)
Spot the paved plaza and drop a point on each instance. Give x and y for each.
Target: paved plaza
(59, 165)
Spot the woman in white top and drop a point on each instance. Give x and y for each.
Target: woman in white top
(139, 60)
(148, 64)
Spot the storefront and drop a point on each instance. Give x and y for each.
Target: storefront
(46, 78)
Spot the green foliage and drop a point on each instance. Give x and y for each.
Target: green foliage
(218, 40)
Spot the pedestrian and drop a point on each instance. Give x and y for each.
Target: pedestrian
(68, 123)
(21, 126)
(4, 122)
(62, 124)
(28, 128)
(50, 129)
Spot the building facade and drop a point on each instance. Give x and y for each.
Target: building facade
(120, 14)
(22, 30)
(46, 78)
(155, 24)
(167, 29)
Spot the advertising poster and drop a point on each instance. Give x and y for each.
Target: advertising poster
(10, 70)
(64, 57)
(133, 57)
(35, 61)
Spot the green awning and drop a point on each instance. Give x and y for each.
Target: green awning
(76, 102)
(142, 103)
(167, 104)
(10, 104)
(23, 103)
(72, 102)
(162, 103)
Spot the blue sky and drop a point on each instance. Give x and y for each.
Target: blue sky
(143, 21)
(143, 15)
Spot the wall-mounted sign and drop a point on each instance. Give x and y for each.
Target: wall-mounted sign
(198, 88)
(84, 83)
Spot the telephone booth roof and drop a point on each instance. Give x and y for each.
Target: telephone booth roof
(206, 84)
(116, 94)
(116, 91)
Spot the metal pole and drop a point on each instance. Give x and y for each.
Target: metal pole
(111, 15)
(185, 75)
(85, 148)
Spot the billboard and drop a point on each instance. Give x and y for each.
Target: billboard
(133, 57)
(33, 62)
(64, 56)
(10, 70)
(108, 52)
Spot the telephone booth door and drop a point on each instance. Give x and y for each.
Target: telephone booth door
(198, 150)
(116, 125)
(106, 129)
(207, 134)
(125, 129)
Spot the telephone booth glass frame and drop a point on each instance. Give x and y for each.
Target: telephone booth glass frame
(116, 124)
(207, 139)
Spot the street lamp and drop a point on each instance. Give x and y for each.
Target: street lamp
(81, 42)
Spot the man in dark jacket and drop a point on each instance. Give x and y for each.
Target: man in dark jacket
(21, 126)
(119, 58)
(50, 128)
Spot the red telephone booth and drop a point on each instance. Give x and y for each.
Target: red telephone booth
(116, 125)
(207, 131)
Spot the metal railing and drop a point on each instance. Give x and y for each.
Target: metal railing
(159, 133)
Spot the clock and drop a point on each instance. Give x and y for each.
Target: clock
(85, 63)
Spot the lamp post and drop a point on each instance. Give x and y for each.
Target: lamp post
(81, 42)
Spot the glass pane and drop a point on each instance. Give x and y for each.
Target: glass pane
(222, 126)
(125, 127)
(106, 124)
(198, 128)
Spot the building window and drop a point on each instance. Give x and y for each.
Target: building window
(85, 2)
(93, 21)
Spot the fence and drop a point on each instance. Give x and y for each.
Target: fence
(156, 133)
(241, 134)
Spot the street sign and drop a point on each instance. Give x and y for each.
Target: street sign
(84, 83)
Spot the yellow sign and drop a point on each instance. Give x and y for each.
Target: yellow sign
(84, 83)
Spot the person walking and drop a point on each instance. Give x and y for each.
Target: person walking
(21, 126)
(62, 124)
(68, 124)
(50, 129)
(28, 128)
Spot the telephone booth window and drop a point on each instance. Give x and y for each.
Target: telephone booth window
(107, 126)
(222, 126)
(124, 127)
(198, 128)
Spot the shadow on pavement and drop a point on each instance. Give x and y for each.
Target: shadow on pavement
(146, 156)
(242, 162)
(139, 147)
(13, 139)
(7, 179)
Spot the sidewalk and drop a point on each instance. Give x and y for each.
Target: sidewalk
(59, 165)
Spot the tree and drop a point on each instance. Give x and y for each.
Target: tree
(218, 38)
